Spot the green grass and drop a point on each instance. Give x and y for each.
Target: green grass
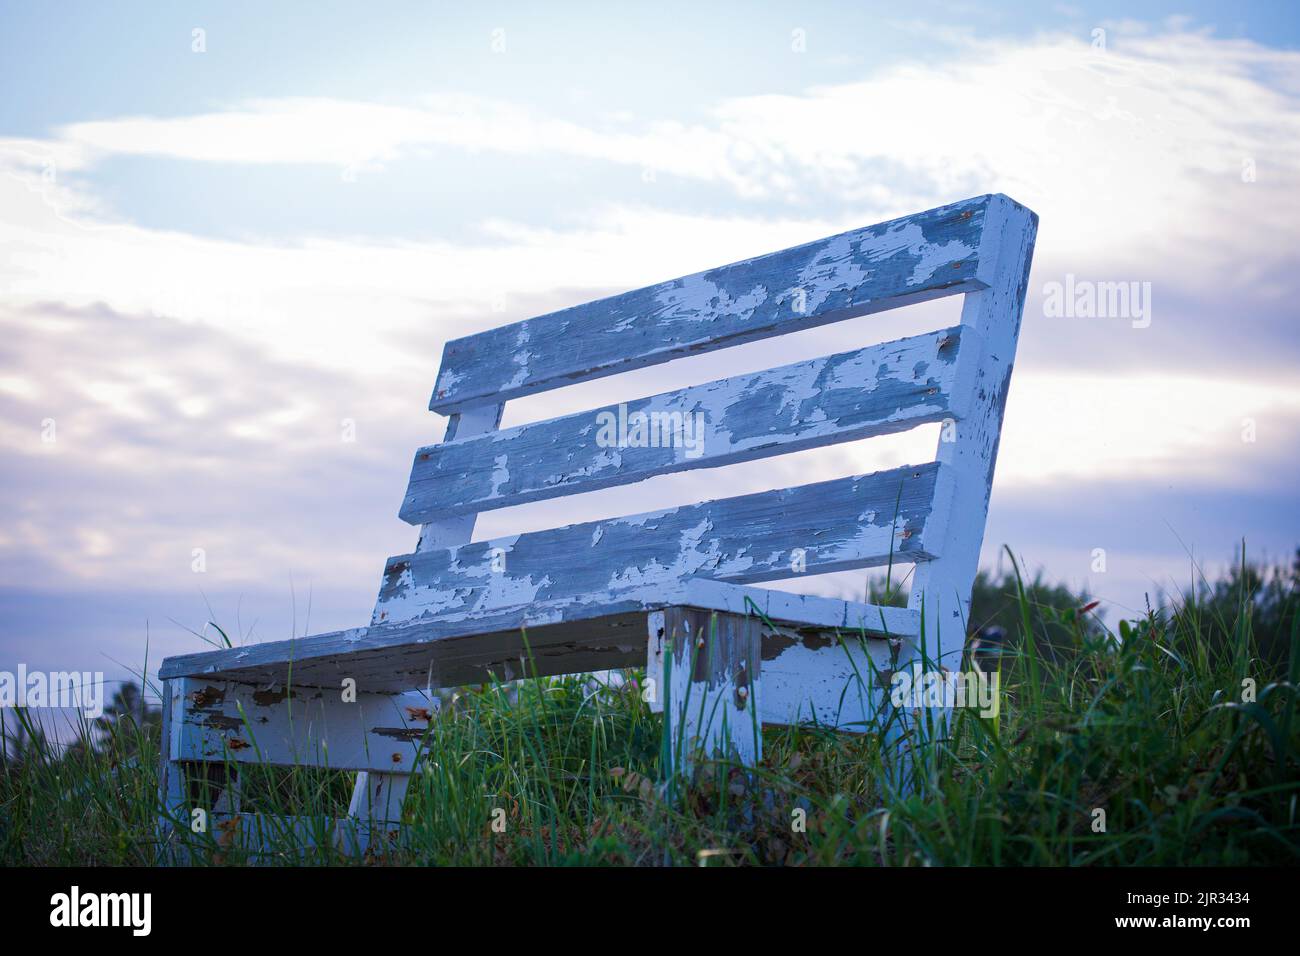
(1148, 725)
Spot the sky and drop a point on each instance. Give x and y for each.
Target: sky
(231, 238)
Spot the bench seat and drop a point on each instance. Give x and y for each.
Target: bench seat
(538, 639)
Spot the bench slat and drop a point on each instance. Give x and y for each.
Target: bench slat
(876, 390)
(895, 263)
(846, 523)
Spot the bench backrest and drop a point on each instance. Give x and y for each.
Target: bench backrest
(932, 514)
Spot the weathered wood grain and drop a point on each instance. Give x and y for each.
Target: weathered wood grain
(283, 724)
(823, 678)
(852, 395)
(837, 525)
(894, 263)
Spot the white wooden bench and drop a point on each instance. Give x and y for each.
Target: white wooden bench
(670, 590)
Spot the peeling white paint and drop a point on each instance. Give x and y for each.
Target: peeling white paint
(668, 560)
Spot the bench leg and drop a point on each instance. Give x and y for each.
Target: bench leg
(172, 798)
(175, 796)
(710, 688)
(916, 735)
(941, 589)
(375, 813)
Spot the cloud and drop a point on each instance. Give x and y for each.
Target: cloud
(131, 440)
(1064, 429)
(199, 384)
(361, 135)
(1139, 146)
(353, 304)
(1134, 155)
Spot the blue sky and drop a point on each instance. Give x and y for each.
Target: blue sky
(209, 260)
